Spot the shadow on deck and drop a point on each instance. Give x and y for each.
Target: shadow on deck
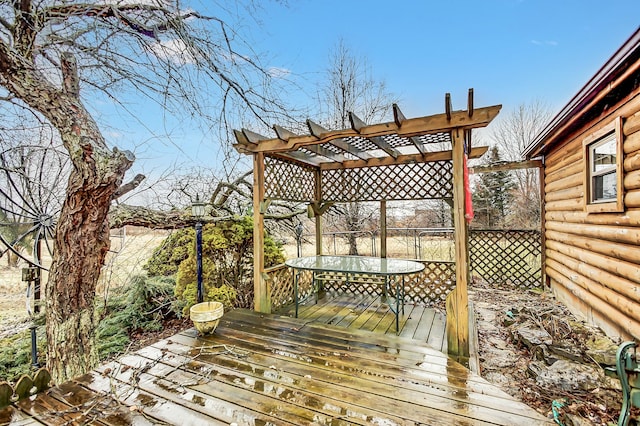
(370, 313)
(259, 369)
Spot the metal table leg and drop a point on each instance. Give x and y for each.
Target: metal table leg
(398, 307)
(295, 289)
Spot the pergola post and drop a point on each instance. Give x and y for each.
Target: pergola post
(261, 298)
(458, 300)
(318, 219)
(318, 212)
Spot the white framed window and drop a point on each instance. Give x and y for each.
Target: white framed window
(604, 169)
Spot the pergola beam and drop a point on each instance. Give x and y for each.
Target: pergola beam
(299, 157)
(282, 133)
(437, 123)
(324, 152)
(285, 135)
(507, 166)
(317, 131)
(399, 118)
(252, 137)
(357, 124)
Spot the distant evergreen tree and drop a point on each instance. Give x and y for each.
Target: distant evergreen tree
(492, 195)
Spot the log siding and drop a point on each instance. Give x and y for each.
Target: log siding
(593, 259)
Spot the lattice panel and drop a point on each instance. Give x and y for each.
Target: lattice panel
(432, 285)
(507, 257)
(286, 180)
(435, 138)
(280, 280)
(361, 144)
(362, 283)
(280, 283)
(431, 180)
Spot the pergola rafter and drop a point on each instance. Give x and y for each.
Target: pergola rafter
(405, 159)
(420, 126)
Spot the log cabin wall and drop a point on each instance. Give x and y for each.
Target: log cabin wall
(593, 259)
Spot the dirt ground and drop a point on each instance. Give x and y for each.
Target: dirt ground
(504, 359)
(524, 371)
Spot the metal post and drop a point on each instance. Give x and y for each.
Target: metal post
(199, 261)
(374, 252)
(37, 278)
(34, 347)
(295, 288)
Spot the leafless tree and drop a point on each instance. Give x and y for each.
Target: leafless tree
(350, 87)
(513, 133)
(55, 55)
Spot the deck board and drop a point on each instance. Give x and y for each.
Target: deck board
(366, 312)
(270, 369)
(14, 416)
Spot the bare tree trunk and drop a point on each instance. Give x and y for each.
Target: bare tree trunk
(82, 234)
(353, 227)
(352, 239)
(81, 241)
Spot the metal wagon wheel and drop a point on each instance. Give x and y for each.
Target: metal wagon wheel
(32, 184)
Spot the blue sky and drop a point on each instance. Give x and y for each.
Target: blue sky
(510, 51)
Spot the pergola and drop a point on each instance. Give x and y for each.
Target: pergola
(399, 160)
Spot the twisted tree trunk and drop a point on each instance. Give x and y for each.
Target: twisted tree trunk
(81, 244)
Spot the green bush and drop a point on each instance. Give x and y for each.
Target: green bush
(167, 257)
(142, 305)
(227, 262)
(15, 352)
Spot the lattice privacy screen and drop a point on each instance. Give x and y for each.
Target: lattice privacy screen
(286, 180)
(280, 282)
(417, 181)
(509, 257)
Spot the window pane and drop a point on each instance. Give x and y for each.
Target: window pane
(604, 187)
(604, 154)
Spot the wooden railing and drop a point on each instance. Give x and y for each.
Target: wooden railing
(26, 387)
(429, 287)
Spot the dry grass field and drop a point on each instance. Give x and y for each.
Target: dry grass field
(131, 250)
(129, 253)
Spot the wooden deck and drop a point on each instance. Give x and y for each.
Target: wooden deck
(367, 312)
(271, 370)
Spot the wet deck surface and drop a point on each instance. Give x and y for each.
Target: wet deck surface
(266, 369)
(370, 313)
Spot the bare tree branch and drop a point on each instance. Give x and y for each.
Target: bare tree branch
(69, 69)
(129, 186)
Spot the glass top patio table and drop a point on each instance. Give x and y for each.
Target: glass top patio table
(356, 265)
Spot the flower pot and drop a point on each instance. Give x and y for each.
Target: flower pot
(206, 315)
